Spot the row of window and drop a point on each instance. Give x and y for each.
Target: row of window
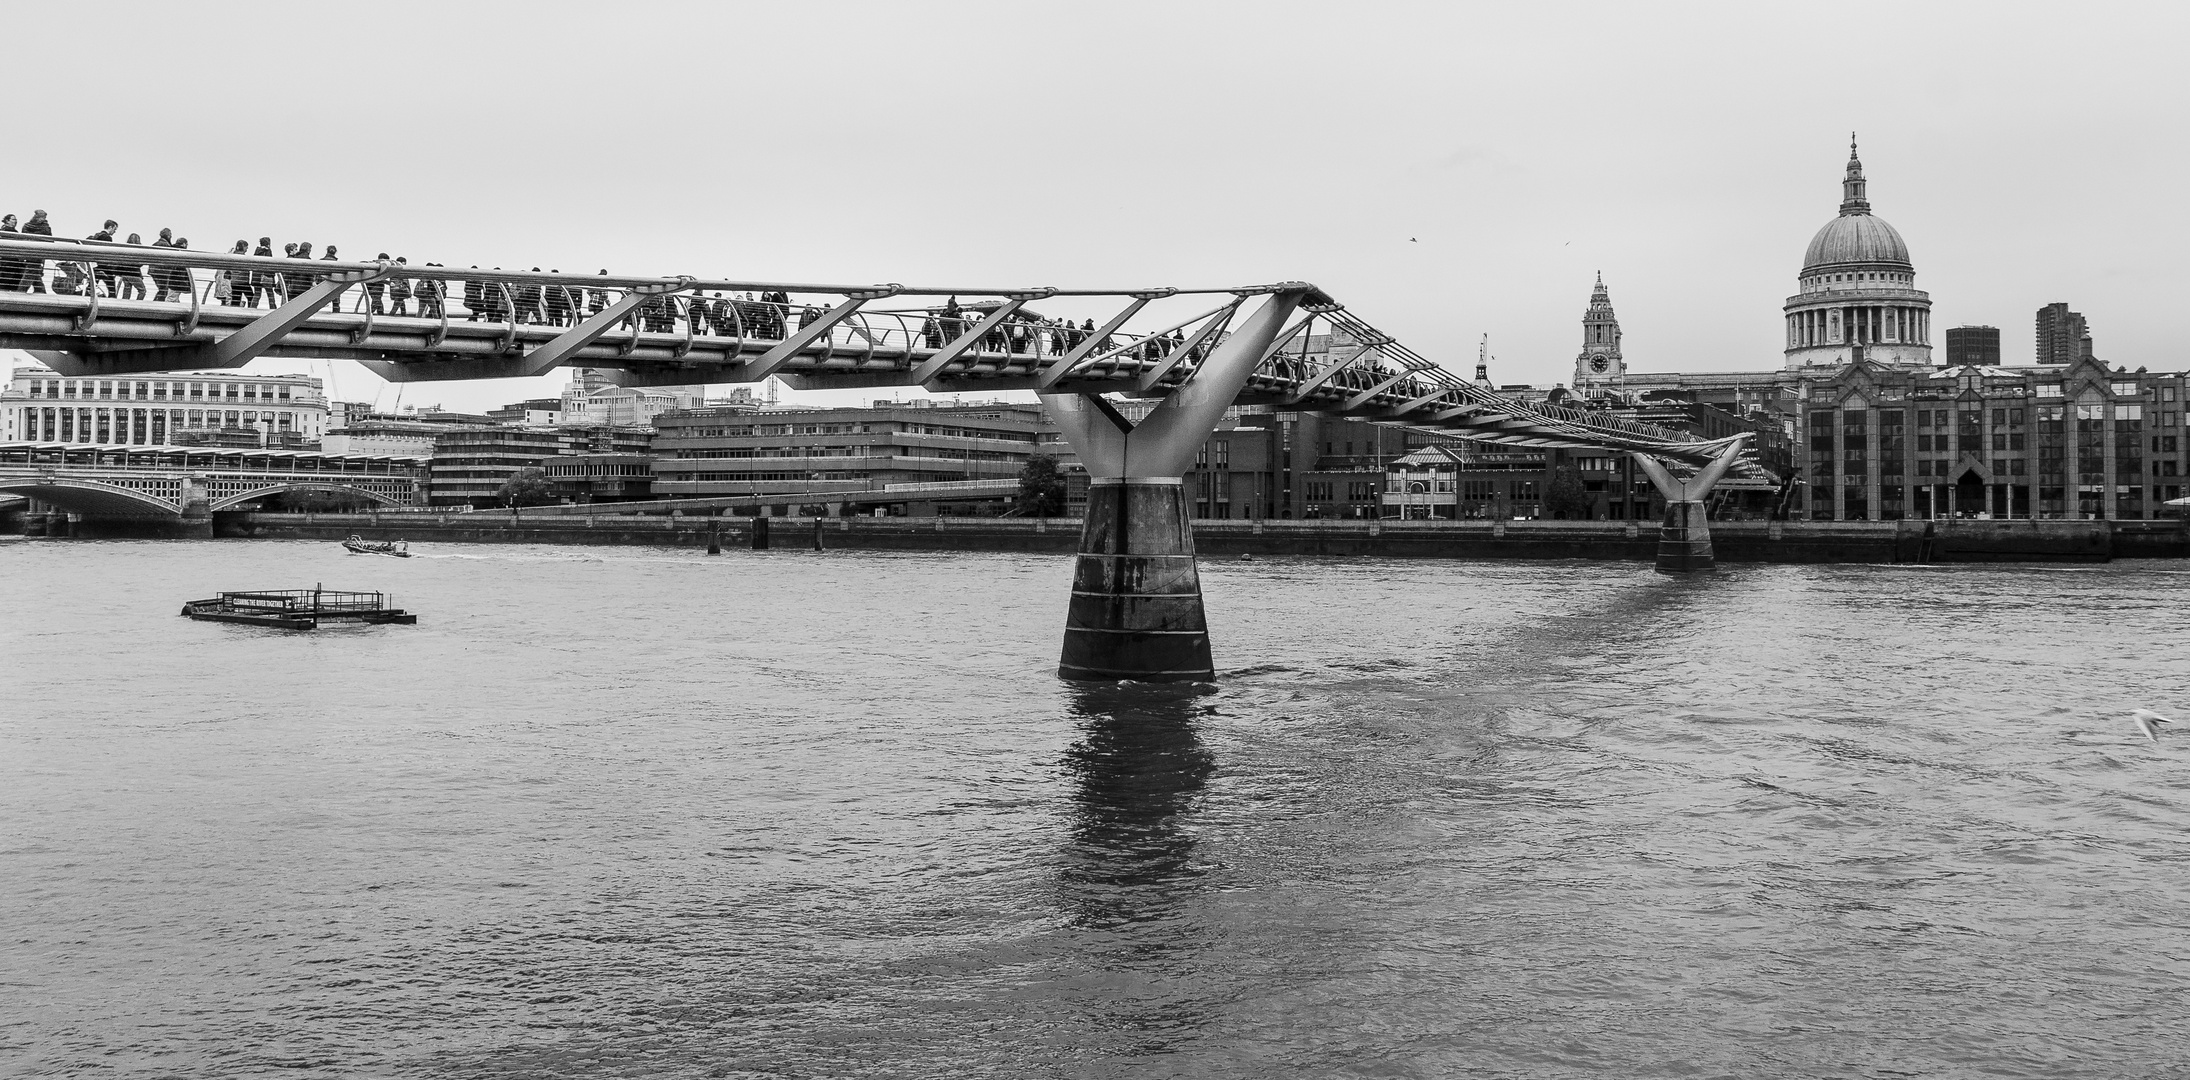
(157, 390)
(1970, 420)
(141, 426)
(766, 430)
(2120, 388)
(1323, 491)
(1999, 500)
(749, 476)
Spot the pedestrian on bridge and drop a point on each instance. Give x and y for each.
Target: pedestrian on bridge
(101, 271)
(160, 276)
(233, 287)
(399, 291)
(953, 321)
(531, 302)
(13, 271)
(316, 278)
(262, 282)
(374, 290)
(561, 304)
(472, 297)
(132, 277)
(292, 282)
(496, 296)
(37, 226)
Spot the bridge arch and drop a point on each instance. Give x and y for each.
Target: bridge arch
(91, 497)
(227, 501)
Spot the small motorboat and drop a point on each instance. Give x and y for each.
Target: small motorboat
(358, 546)
(298, 609)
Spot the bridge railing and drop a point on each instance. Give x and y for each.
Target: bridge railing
(839, 328)
(188, 280)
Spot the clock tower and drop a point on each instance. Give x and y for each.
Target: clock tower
(1599, 367)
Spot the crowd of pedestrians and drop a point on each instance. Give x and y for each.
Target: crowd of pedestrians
(768, 316)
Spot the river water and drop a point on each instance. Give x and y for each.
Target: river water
(643, 813)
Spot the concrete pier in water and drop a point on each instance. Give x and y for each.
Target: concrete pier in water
(1136, 610)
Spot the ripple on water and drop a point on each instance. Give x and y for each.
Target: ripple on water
(631, 812)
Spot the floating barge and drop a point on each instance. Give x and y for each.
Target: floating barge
(297, 609)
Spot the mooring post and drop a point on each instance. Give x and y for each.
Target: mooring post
(1136, 609)
(1684, 537)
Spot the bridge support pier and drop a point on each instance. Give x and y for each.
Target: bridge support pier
(197, 513)
(1136, 594)
(1136, 610)
(1684, 538)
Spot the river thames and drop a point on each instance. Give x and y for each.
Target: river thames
(642, 813)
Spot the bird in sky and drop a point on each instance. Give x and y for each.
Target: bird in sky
(2149, 722)
(1412, 240)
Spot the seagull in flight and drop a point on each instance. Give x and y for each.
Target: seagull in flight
(2149, 722)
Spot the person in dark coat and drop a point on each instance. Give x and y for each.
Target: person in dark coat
(374, 290)
(178, 277)
(559, 305)
(104, 272)
(160, 275)
(473, 298)
(262, 281)
(317, 278)
(496, 295)
(436, 293)
(12, 270)
(399, 289)
(294, 283)
(531, 302)
(37, 226)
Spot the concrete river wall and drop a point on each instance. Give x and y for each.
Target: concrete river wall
(1736, 541)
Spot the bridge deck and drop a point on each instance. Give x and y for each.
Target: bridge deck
(667, 331)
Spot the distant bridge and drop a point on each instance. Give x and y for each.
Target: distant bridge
(185, 485)
(1136, 609)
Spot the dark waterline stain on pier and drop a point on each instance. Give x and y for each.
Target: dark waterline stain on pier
(628, 812)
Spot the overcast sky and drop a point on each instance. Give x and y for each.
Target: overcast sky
(1447, 170)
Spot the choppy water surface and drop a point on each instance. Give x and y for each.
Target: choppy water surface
(634, 813)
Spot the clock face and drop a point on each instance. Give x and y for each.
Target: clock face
(1597, 364)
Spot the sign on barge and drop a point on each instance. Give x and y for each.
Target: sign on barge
(298, 609)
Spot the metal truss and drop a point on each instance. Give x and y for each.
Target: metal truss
(682, 330)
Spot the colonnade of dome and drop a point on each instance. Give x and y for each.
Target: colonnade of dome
(1858, 290)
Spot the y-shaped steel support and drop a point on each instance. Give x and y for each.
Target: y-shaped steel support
(1684, 540)
(1136, 608)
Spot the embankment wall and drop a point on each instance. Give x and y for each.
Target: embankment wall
(1736, 541)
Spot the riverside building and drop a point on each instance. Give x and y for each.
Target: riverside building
(740, 450)
(41, 405)
(581, 464)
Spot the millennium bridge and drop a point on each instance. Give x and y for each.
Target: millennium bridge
(1136, 608)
